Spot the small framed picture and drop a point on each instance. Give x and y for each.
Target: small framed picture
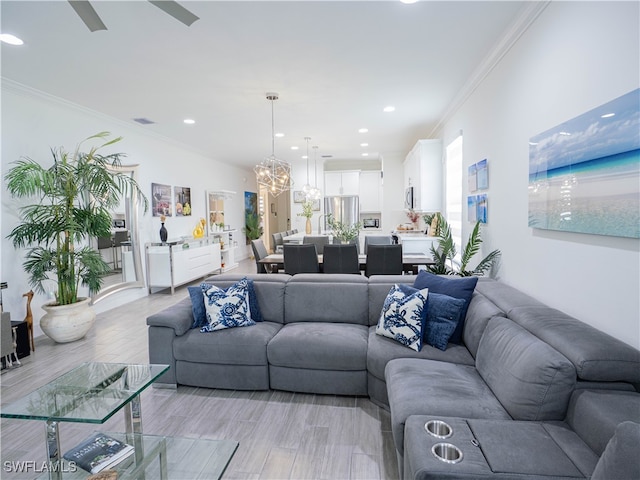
(316, 205)
(298, 196)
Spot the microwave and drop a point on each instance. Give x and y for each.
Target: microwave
(408, 198)
(370, 223)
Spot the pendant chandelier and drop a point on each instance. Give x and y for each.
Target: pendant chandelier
(273, 173)
(314, 192)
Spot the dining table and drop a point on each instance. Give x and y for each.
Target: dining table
(410, 261)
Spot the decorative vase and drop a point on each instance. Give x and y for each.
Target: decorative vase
(163, 233)
(67, 323)
(307, 227)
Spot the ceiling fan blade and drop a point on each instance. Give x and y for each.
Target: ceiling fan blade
(176, 10)
(87, 14)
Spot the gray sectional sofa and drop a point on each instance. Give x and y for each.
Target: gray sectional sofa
(520, 362)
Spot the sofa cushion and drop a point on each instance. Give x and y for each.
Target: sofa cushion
(456, 287)
(379, 286)
(233, 346)
(620, 458)
(504, 296)
(594, 414)
(530, 379)
(403, 316)
(443, 316)
(381, 350)
(596, 355)
(326, 298)
(320, 346)
(227, 308)
(269, 291)
(428, 387)
(480, 311)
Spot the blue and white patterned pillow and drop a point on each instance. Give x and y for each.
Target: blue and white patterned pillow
(403, 317)
(227, 308)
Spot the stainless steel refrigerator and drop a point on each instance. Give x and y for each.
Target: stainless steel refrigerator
(345, 209)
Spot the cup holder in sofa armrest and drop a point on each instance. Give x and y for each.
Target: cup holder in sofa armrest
(438, 428)
(447, 452)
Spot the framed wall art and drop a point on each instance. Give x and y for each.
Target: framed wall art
(182, 197)
(298, 196)
(161, 200)
(584, 174)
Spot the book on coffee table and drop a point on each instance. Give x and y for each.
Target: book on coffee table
(98, 452)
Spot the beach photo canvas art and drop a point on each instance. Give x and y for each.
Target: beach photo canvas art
(584, 175)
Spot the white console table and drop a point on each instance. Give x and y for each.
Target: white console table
(177, 262)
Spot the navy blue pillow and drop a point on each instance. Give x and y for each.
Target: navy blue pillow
(200, 314)
(443, 316)
(460, 287)
(197, 306)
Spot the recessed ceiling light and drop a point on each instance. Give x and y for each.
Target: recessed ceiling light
(363, 130)
(10, 39)
(189, 121)
(365, 154)
(408, 2)
(389, 108)
(364, 144)
(279, 135)
(608, 115)
(294, 147)
(304, 157)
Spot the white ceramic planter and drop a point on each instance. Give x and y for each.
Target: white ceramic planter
(67, 323)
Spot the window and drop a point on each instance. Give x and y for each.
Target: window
(453, 192)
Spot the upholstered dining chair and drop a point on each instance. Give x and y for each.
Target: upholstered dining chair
(300, 258)
(318, 240)
(341, 259)
(384, 260)
(277, 242)
(376, 240)
(259, 252)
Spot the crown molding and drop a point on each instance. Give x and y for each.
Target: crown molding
(518, 27)
(29, 92)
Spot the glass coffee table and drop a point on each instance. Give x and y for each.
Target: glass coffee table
(93, 393)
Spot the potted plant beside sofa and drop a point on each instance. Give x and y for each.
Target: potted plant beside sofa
(72, 203)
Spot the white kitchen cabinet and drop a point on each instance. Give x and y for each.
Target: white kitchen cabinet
(175, 263)
(417, 243)
(423, 172)
(341, 183)
(370, 192)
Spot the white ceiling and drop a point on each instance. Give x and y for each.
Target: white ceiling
(334, 64)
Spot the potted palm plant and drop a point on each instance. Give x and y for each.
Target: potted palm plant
(72, 200)
(444, 254)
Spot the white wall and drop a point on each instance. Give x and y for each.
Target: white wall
(576, 56)
(33, 122)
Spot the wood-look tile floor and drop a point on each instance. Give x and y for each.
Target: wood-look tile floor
(282, 435)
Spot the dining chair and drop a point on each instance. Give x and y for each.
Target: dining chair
(277, 242)
(259, 252)
(341, 259)
(318, 240)
(384, 260)
(105, 243)
(300, 258)
(376, 240)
